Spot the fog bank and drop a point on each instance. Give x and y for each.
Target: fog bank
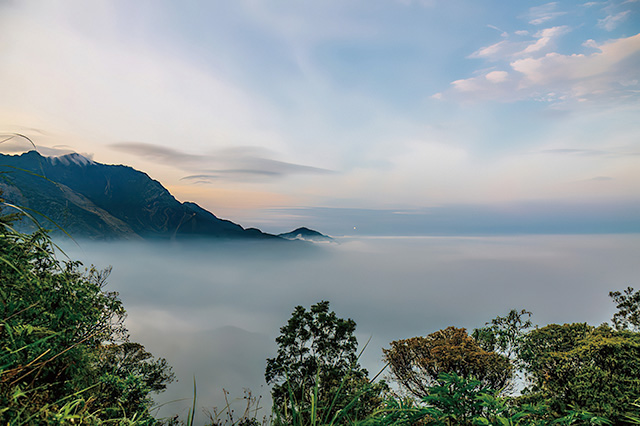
(213, 310)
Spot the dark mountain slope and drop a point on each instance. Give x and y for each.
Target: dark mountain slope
(102, 201)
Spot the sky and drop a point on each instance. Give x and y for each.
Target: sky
(359, 116)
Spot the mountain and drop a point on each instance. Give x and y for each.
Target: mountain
(100, 201)
(305, 234)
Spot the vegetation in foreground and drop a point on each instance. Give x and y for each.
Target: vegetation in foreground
(65, 358)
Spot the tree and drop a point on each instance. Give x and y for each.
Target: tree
(417, 362)
(578, 366)
(504, 334)
(62, 338)
(128, 375)
(628, 305)
(317, 368)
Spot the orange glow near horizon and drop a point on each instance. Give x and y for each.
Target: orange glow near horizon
(217, 199)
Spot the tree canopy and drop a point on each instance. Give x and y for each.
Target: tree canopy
(505, 334)
(417, 362)
(628, 305)
(578, 366)
(316, 367)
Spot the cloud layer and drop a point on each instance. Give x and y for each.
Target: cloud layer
(241, 163)
(219, 324)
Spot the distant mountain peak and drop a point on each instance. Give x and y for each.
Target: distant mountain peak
(305, 234)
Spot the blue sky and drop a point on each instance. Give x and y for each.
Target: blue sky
(285, 113)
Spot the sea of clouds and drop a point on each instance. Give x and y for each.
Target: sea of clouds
(213, 309)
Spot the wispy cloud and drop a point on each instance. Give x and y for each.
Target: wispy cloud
(538, 15)
(244, 163)
(498, 50)
(612, 21)
(16, 143)
(545, 38)
(502, 33)
(524, 45)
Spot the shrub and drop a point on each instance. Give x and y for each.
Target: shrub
(64, 353)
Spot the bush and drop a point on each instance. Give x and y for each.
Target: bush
(64, 353)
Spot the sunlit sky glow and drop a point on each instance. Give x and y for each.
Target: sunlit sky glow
(331, 113)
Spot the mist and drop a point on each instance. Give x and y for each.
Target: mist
(214, 309)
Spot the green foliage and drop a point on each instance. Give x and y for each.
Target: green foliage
(63, 350)
(628, 305)
(504, 334)
(633, 417)
(316, 375)
(129, 374)
(580, 367)
(458, 401)
(455, 400)
(417, 363)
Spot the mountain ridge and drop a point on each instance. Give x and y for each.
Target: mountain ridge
(100, 201)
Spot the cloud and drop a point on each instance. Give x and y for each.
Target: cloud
(16, 143)
(589, 74)
(545, 37)
(611, 22)
(496, 85)
(610, 72)
(540, 14)
(497, 76)
(496, 50)
(542, 41)
(200, 325)
(159, 153)
(502, 33)
(239, 163)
